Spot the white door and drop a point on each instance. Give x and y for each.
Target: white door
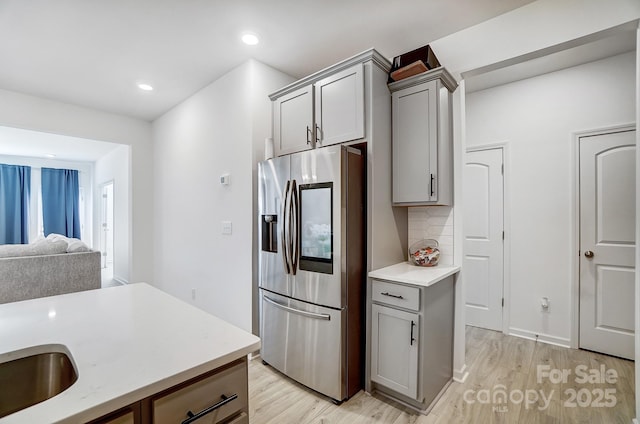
(607, 243)
(483, 238)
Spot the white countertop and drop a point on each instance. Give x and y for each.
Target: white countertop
(127, 343)
(408, 273)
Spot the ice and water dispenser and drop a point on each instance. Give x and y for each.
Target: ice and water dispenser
(270, 233)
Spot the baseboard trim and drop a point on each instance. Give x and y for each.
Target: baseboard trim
(635, 421)
(120, 281)
(544, 338)
(460, 376)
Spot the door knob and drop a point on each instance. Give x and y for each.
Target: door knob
(588, 254)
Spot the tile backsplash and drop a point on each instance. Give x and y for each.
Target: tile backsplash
(433, 222)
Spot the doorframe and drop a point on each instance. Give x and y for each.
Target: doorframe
(102, 186)
(574, 273)
(506, 223)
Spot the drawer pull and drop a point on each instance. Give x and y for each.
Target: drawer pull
(396, 296)
(224, 401)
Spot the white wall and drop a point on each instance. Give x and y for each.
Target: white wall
(212, 133)
(537, 118)
(533, 30)
(38, 114)
(85, 184)
(264, 80)
(115, 167)
(433, 222)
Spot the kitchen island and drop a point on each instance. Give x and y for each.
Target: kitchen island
(133, 347)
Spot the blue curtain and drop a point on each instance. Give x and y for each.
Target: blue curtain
(60, 202)
(15, 186)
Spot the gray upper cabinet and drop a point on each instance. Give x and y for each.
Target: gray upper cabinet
(422, 140)
(329, 110)
(293, 121)
(339, 107)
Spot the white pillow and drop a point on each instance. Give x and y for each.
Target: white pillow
(74, 245)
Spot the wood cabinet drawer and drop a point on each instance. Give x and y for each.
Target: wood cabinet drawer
(203, 393)
(243, 418)
(127, 418)
(406, 297)
(126, 415)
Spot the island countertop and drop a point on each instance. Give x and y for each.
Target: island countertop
(407, 273)
(126, 342)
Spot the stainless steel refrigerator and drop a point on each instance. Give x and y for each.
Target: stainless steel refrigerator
(312, 261)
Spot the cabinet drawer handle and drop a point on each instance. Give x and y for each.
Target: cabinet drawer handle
(396, 296)
(224, 401)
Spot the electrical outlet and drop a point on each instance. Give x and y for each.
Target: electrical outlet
(544, 304)
(226, 227)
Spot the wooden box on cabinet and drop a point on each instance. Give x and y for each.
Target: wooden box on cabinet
(422, 145)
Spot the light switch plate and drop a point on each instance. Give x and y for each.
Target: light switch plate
(226, 227)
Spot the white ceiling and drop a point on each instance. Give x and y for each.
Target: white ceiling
(92, 53)
(20, 142)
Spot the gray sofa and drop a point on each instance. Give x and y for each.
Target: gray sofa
(25, 274)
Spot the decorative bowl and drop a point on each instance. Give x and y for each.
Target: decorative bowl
(425, 252)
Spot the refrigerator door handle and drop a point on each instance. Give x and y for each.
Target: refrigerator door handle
(294, 227)
(283, 234)
(324, 317)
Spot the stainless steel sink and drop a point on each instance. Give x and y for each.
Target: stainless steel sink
(33, 379)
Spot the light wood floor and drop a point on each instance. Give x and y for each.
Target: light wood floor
(493, 359)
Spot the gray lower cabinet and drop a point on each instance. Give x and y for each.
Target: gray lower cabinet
(219, 396)
(394, 359)
(412, 340)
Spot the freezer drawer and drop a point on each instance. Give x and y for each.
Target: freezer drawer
(305, 342)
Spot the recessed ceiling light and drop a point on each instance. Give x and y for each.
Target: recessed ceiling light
(50, 155)
(145, 87)
(250, 39)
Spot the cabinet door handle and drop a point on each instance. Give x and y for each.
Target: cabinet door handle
(224, 401)
(413, 324)
(318, 134)
(396, 296)
(308, 135)
(433, 177)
